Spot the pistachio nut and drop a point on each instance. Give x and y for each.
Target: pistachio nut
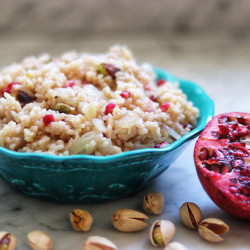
(175, 246)
(129, 220)
(107, 70)
(153, 203)
(210, 229)
(39, 240)
(7, 241)
(98, 243)
(161, 232)
(190, 215)
(81, 220)
(64, 108)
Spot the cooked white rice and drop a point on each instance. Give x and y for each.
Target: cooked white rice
(135, 122)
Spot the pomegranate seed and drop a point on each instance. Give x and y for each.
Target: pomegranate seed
(69, 85)
(224, 128)
(243, 131)
(153, 98)
(161, 145)
(232, 125)
(109, 108)
(125, 94)
(233, 189)
(47, 119)
(238, 163)
(238, 153)
(9, 88)
(204, 154)
(165, 106)
(160, 82)
(241, 120)
(219, 155)
(223, 119)
(233, 135)
(147, 87)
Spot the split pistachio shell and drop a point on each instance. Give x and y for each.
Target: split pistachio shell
(7, 241)
(128, 220)
(153, 203)
(210, 229)
(175, 246)
(161, 232)
(190, 215)
(81, 220)
(98, 243)
(39, 240)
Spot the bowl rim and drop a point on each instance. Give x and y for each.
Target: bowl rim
(196, 131)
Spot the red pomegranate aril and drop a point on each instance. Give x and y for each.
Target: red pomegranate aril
(233, 135)
(225, 175)
(69, 85)
(161, 145)
(165, 106)
(241, 120)
(147, 87)
(243, 131)
(239, 153)
(217, 154)
(204, 154)
(125, 94)
(224, 129)
(9, 88)
(153, 98)
(47, 119)
(109, 108)
(160, 82)
(233, 189)
(223, 119)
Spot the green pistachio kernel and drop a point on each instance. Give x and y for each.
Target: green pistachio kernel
(63, 108)
(157, 236)
(101, 69)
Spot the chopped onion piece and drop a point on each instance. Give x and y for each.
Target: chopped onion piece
(172, 132)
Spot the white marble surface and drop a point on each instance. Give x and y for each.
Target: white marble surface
(218, 63)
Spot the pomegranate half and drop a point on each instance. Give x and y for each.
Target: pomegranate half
(222, 159)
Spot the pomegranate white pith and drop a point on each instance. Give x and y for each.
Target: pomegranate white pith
(222, 159)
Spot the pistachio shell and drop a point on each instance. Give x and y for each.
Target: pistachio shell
(81, 220)
(190, 215)
(128, 220)
(167, 229)
(153, 203)
(175, 246)
(210, 229)
(12, 242)
(39, 240)
(98, 243)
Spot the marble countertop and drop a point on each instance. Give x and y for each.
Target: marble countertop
(219, 63)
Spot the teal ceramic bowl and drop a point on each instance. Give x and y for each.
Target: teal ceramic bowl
(88, 178)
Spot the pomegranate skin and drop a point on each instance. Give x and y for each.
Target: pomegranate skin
(220, 175)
